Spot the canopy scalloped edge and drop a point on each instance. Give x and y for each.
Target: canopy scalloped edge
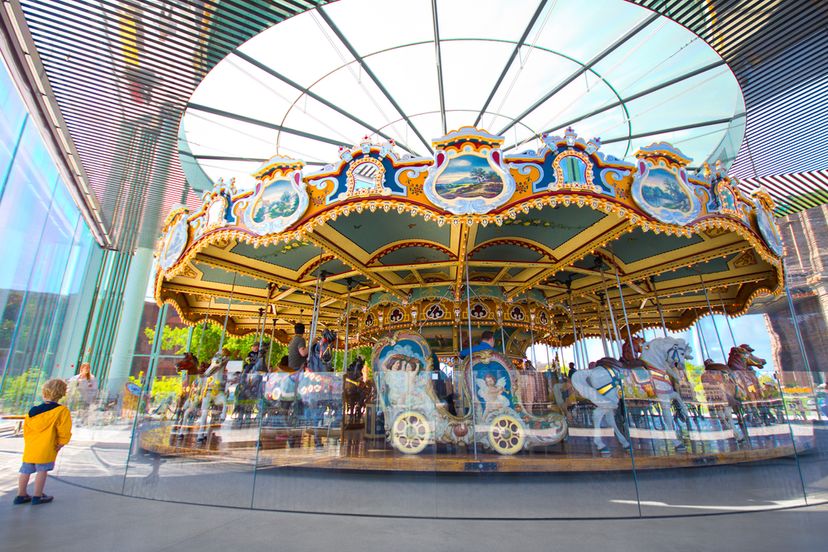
(222, 236)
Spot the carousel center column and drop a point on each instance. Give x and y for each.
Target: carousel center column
(132, 313)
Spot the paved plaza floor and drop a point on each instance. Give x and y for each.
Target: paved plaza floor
(90, 520)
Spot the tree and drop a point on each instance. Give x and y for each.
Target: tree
(364, 352)
(205, 344)
(694, 373)
(479, 175)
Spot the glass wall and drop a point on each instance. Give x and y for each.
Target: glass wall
(248, 435)
(267, 439)
(328, 443)
(45, 247)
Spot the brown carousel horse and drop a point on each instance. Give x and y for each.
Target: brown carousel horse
(736, 384)
(631, 350)
(188, 364)
(743, 384)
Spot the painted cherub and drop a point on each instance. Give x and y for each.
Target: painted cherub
(491, 391)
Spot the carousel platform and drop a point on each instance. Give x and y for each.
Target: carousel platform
(348, 451)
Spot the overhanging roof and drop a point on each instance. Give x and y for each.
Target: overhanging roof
(119, 74)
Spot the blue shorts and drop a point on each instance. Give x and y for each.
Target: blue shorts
(28, 468)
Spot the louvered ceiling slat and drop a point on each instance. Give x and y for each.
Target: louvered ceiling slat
(776, 49)
(174, 50)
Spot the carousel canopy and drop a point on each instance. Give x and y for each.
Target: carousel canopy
(531, 241)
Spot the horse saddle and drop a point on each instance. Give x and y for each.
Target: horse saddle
(610, 363)
(613, 368)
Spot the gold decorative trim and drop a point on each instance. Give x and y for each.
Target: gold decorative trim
(611, 206)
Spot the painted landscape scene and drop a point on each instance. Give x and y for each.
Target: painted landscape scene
(470, 177)
(175, 243)
(438, 339)
(661, 189)
(279, 200)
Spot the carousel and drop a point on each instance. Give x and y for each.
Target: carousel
(429, 260)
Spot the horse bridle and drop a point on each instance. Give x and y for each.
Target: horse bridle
(674, 355)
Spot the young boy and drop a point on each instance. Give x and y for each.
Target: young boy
(46, 429)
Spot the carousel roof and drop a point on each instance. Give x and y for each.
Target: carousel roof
(538, 237)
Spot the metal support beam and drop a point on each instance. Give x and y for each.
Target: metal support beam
(673, 129)
(322, 13)
(586, 67)
(439, 61)
(511, 59)
(265, 124)
(306, 91)
(620, 102)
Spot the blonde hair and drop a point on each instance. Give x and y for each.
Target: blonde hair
(88, 370)
(54, 390)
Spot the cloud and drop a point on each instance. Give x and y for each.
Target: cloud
(451, 178)
(461, 163)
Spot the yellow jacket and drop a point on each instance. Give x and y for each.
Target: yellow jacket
(46, 427)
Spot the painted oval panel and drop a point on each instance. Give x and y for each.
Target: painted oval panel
(660, 189)
(769, 230)
(174, 244)
(279, 200)
(468, 177)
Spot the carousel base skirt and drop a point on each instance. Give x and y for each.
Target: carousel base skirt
(350, 451)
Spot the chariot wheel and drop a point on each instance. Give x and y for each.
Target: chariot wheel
(410, 432)
(506, 434)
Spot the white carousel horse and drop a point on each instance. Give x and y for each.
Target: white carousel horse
(213, 394)
(663, 358)
(602, 387)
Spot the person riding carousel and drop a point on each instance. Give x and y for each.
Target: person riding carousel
(487, 342)
(251, 358)
(631, 350)
(297, 349)
(320, 358)
(442, 385)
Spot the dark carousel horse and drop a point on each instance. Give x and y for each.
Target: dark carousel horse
(737, 384)
(249, 388)
(312, 406)
(188, 364)
(630, 351)
(356, 392)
